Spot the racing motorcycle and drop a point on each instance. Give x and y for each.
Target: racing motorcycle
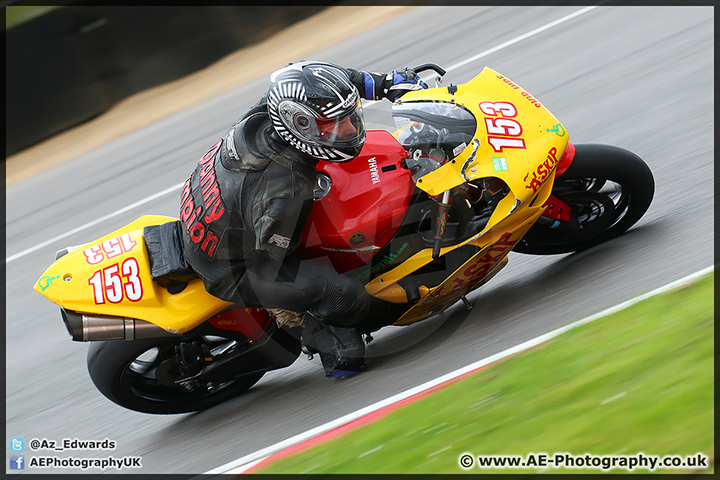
(423, 217)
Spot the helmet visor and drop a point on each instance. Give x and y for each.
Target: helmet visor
(346, 131)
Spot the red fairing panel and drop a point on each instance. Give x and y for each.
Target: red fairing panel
(365, 206)
(250, 322)
(566, 159)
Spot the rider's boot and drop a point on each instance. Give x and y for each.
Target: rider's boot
(342, 350)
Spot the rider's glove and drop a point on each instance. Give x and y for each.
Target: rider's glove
(401, 81)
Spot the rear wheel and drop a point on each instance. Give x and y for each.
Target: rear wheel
(608, 189)
(140, 375)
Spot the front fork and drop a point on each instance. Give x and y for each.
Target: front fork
(444, 206)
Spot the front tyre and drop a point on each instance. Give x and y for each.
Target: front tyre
(608, 189)
(133, 375)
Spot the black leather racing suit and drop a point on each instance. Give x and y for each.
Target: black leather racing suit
(243, 211)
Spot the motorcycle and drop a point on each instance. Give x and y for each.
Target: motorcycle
(423, 216)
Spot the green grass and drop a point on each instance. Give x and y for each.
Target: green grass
(640, 380)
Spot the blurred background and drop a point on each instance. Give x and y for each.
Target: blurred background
(68, 64)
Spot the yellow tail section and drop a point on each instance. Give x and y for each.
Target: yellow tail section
(111, 276)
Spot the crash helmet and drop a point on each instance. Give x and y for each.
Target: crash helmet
(316, 108)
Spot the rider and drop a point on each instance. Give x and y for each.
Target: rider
(244, 208)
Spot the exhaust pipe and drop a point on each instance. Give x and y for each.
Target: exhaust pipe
(91, 328)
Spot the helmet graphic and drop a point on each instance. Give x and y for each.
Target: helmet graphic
(316, 108)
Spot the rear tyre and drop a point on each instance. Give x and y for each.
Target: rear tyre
(131, 375)
(608, 189)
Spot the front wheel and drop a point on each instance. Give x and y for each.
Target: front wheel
(608, 189)
(138, 375)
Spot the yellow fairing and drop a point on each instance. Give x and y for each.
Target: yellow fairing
(540, 135)
(479, 269)
(524, 155)
(111, 276)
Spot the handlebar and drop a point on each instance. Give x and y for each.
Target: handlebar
(430, 66)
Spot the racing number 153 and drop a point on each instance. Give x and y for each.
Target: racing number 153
(116, 282)
(503, 132)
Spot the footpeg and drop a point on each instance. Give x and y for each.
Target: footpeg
(306, 351)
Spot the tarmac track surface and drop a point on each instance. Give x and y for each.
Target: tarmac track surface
(637, 77)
